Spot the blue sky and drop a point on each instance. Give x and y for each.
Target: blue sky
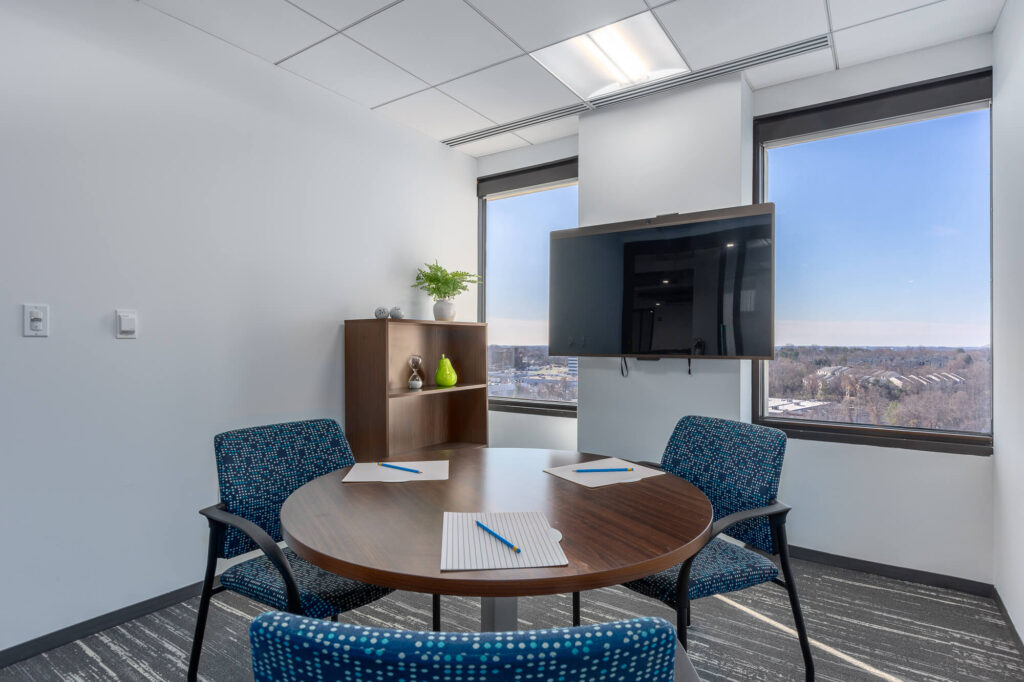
(882, 238)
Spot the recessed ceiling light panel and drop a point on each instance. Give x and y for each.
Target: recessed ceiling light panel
(621, 55)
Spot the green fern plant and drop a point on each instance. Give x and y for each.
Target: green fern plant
(441, 284)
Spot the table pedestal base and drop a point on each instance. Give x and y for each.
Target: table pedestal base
(499, 614)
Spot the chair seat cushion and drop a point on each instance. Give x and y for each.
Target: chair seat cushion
(721, 566)
(323, 594)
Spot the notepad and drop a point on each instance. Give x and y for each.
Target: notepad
(598, 479)
(467, 547)
(369, 472)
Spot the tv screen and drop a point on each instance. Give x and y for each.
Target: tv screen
(690, 285)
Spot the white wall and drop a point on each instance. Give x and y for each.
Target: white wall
(678, 151)
(245, 213)
(690, 150)
(1008, 319)
(969, 54)
(524, 157)
(517, 430)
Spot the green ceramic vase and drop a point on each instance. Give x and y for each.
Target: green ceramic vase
(445, 375)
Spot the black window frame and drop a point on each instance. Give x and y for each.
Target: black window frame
(973, 87)
(562, 170)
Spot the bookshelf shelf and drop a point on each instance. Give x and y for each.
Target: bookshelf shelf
(382, 418)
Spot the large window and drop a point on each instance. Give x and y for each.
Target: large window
(517, 224)
(883, 281)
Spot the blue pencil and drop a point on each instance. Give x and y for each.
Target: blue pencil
(591, 471)
(395, 466)
(498, 536)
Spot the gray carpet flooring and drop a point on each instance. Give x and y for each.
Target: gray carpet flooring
(865, 628)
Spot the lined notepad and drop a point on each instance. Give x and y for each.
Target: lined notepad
(466, 546)
(369, 472)
(598, 479)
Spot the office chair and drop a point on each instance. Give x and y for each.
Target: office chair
(258, 468)
(737, 465)
(298, 649)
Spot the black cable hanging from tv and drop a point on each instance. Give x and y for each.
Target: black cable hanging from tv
(623, 366)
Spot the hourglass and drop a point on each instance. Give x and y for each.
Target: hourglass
(415, 381)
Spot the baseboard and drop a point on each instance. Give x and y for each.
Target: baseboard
(949, 582)
(1006, 614)
(36, 646)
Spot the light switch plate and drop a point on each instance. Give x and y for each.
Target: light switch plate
(36, 319)
(126, 323)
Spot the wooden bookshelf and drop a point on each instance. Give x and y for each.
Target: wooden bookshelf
(383, 417)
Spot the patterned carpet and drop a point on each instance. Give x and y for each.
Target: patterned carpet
(867, 627)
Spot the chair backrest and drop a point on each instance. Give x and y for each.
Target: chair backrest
(737, 465)
(260, 467)
(298, 649)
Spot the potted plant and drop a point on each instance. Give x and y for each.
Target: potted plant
(443, 286)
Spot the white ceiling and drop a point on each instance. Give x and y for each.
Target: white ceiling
(451, 67)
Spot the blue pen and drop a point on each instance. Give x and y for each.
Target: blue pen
(498, 536)
(590, 471)
(395, 466)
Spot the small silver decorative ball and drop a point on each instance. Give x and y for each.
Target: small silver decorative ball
(380, 313)
(396, 313)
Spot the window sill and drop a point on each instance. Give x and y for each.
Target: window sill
(540, 407)
(883, 436)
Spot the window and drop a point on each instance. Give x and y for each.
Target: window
(516, 224)
(883, 282)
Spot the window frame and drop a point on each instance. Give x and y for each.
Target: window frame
(562, 170)
(917, 100)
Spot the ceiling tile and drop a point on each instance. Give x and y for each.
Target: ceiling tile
(800, 66)
(341, 13)
(493, 145)
(538, 23)
(436, 114)
(271, 29)
(436, 40)
(846, 13)
(342, 65)
(919, 28)
(511, 90)
(552, 130)
(710, 32)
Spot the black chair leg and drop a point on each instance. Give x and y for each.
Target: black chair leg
(204, 604)
(576, 609)
(683, 601)
(436, 602)
(794, 600)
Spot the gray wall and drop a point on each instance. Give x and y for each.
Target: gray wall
(1008, 317)
(245, 213)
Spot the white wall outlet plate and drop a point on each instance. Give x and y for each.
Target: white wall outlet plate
(126, 323)
(36, 319)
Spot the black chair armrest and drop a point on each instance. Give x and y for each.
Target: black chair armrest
(217, 514)
(653, 465)
(774, 508)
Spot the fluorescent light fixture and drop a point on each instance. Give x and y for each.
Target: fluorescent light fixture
(620, 55)
(664, 281)
(730, 245)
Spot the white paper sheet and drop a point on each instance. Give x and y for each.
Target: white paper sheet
(370, 472)
(596, 480)
(467, 547)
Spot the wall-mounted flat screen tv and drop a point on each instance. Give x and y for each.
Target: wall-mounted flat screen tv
(694, 285)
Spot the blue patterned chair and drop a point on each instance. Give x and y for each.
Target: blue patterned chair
(258, 468)
(737, 465)
(288, 647)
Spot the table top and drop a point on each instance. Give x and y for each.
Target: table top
(389, 534)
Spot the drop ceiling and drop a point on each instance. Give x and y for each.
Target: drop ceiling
(456, 69)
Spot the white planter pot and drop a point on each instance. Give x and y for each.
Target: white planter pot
(444, 310)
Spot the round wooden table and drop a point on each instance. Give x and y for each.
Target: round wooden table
(389, 534)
